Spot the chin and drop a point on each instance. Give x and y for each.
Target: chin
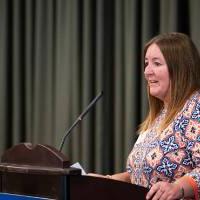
(156, 95)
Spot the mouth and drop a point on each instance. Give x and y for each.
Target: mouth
(152, 82)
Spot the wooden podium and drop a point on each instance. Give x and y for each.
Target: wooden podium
(42, 171)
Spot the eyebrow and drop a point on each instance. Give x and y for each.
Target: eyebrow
(154, 58)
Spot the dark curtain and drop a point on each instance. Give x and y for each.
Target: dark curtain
(56, 56)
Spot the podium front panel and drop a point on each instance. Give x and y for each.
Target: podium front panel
(44, 186)
(87, 187)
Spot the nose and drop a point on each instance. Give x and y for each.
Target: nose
(148, 70)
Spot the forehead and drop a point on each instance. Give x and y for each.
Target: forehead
(153, 51)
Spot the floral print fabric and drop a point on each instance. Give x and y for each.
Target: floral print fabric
(173, 153)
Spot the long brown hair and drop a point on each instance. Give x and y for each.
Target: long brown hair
(183, 63)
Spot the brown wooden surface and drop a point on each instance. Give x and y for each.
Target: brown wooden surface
(43, 171)
(35, 155)
(86, 187)
(32, 185)
(38, 170)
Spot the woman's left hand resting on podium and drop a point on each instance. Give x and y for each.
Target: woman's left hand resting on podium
(166, 155)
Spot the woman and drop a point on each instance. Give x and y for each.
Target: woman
(166, 156)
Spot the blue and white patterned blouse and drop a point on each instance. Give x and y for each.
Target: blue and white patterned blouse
(173, 153)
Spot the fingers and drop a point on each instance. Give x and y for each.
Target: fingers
(163, 191)
(154, 191)
(91, 174)
(158, 195)
(159, 191)
(96, 175)
(161, 195)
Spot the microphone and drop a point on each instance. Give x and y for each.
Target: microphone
(81, 116)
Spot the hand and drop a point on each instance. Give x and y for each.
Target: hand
(96, 175)
(164, 191)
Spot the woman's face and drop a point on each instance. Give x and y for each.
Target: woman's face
(156, 73)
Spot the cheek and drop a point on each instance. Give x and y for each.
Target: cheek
(168, 80)
(165, 77)
(167, 84)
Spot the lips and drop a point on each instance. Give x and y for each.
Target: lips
(152, 82)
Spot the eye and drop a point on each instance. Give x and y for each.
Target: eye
(157, 64)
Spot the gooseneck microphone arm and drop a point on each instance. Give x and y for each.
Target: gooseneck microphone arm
(81, 116)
